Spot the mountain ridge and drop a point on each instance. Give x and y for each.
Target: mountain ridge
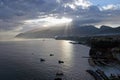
(51, 32)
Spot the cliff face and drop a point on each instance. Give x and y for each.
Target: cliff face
(63, 30)
(105, 49)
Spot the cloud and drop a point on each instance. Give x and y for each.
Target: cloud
(83, 3)
(111, 7)
(78, 3)
(14, 13)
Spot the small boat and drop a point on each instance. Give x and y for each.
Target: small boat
(74, 42)
(60, 61)
(42, 60)
(51, 54)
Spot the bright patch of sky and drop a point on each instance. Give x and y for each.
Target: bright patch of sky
(104, 2)
(49, 21)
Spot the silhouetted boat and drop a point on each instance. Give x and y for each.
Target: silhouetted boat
(41, 59)
(74, 42)
(60, 61)
(51, 54)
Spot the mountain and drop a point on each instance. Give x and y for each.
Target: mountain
(104, 27)
(51, 32)
(63, 30)
(109, 30)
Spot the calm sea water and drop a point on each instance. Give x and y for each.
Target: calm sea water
(20, 60)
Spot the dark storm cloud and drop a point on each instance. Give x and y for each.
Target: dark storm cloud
(12, 12)
(9, 9)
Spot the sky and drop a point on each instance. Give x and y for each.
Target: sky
(18, 16)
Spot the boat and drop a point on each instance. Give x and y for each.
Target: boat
(42, 60)
(74, 42)
(51, 54)
(60, 61)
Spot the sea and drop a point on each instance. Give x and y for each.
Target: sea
(20, 60)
